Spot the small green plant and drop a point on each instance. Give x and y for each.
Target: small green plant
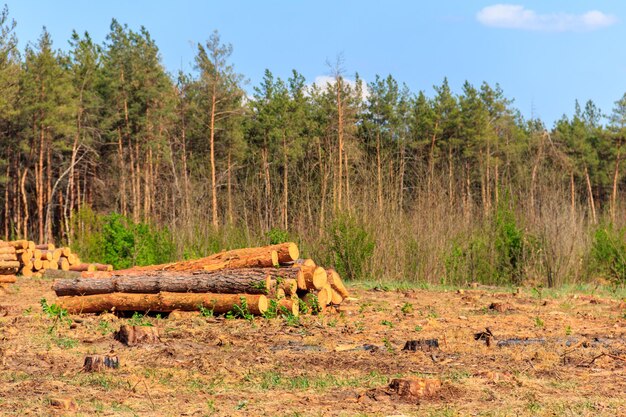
(418, 328)
(241, 310)
(539, 322)
(388, 345)
(65, 342)
(139, 319)
(359, 326)
(387, 323)
(104, 327)
(55, 312)
(27, 312)
(407, 308)
(608, 253)
(332, 323)
(205, 312)
(568, 330)
(241, 405)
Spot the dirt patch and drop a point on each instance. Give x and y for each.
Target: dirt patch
(561, 357)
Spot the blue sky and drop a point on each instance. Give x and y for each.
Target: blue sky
(544, 54)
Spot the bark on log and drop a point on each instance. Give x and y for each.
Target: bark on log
(265, 256)
(221, 282)
(336, 283)
(8, 257)
(45, 246)
(60, 274)
(163, 302)
(9, 264)
(8, 279)
(7, 249)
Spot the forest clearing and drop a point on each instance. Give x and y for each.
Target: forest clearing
(480, 351)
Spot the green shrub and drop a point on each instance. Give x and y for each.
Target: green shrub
(351, 247)
(116, 240)
(493, 254)
(277, 235)
(608, 253)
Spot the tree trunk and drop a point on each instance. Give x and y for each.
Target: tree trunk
(573, 196)
(164, 302)
(285, 212)
(212, 158)
(615, 181)
(265, 256)
(379, 178)
(592, 204)
(230, 281)
(340, 139)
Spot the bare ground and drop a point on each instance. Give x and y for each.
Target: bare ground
(331, 365)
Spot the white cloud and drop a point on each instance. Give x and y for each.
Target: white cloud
(514, 16)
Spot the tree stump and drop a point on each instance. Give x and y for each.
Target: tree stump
(137, 335)
(97, 363)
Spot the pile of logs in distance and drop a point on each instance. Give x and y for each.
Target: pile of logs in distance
(33, 259)
(8, 263)
(250, 279)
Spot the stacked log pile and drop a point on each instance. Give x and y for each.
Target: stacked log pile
(34, 259)
(8, 263)
(253, 279)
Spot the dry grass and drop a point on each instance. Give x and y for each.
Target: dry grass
(213, 366)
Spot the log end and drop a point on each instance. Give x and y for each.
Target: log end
(320, 278)
(294, 252)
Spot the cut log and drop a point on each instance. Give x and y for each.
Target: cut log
(7, 249)
(97, 363)
(221, 282)
(325, 295)
(335, 297)
(73, 259)
(45, 264)
(27, 270)
(8, 279)
(8, 257)
(311, 277)
(50, 255)
(22, 244)
(103, 267)
(265, 256)
(64, 265)
(37, 264)
(66, 252)
(38, 254)
(45, 246)
(336, 283)
(9, 264)
(82, 267)
(25, 256)
(291, 305)
(163, 302)
(53, 265)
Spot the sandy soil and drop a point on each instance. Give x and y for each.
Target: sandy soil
(573, 365)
